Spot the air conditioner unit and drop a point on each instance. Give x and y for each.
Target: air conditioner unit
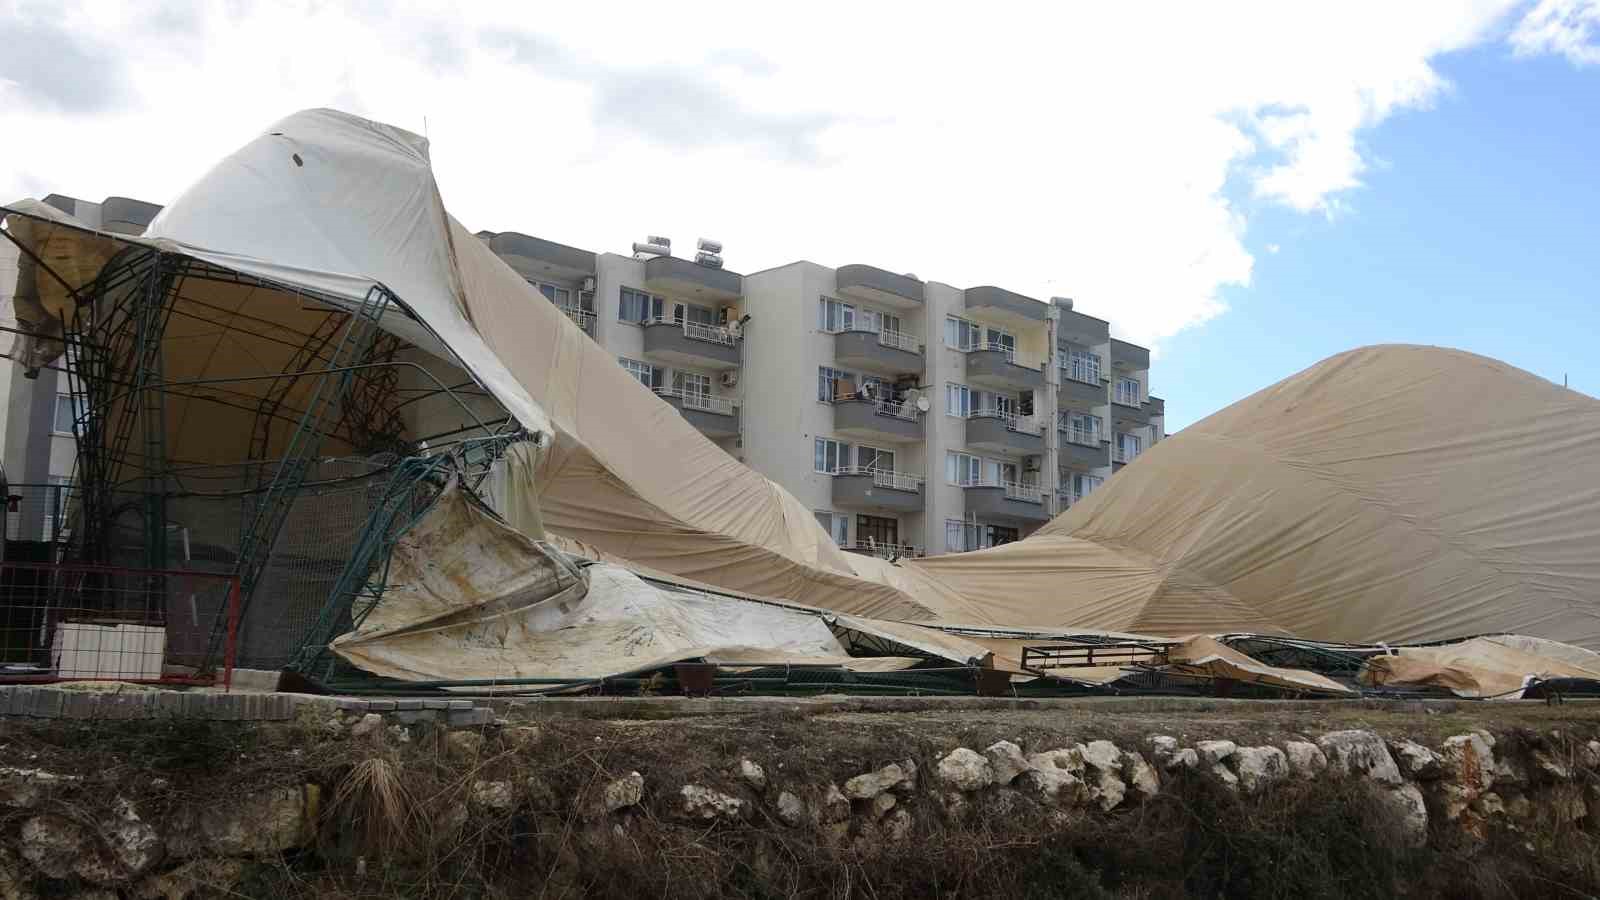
(729, 378)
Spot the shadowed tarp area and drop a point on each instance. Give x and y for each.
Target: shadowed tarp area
(1390, 493)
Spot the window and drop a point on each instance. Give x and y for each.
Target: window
(877, 530)
(959, 536)
(988, 403)
(1128, 391)
(66, 414)
(638, 307)
(1083, 366)
(997, 337)
(829, 456)
(692, 385)
(961, 334)
(837, 526)
(957, 400)
(60, 492)
(1080, 485)
(873, 458)
(1127, 446)
(998, 472)
(1081, 428)
(995, 535)
(697, 315)
(644, 372)
(835, 315)
(560, 296)
(962, 468)
(833, 384)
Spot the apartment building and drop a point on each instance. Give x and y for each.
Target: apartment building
(913, 417)
(38, 444)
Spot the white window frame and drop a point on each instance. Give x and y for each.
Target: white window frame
(1123, 395)
(642, 372)
(654, 306)
(961, 469)
(957, 400)
(868, 457)
(695, 383)
(838, 526)
(555, 293)
(64, 402)
(1083, 365)
(1126, 439)
(831, 377)
(820, 450)
(954, 326)
(842, 318)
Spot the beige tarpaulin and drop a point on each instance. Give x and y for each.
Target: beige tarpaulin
(1394, 493)
(471, 598)
(1390, 493)
(1206, 657)
(1494, 666)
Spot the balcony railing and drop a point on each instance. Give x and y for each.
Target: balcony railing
(897, 409)
(1015, 490)
(1125, 394)
(885, 551)
(1014, 422)
(1082, 436)
(884, 478)
(896, 340)
(696, 331)
(1123, 455)
(581, 317)
(697, 400)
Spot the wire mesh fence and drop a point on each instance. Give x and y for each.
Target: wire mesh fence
(61, 622)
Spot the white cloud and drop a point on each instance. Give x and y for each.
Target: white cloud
(1570, 28)
(1108, 154)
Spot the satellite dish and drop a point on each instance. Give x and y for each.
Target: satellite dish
(923, 405)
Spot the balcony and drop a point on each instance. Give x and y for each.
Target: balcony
(884, 352)
(1006, 306)
(686, 280)
(877, 420)
(876, 285)
(884, 551)
(1006, 501)
(1121, 457)
(999, 432)
(1081, 388)
(1130, 415)
(1155, 406)
(1126, 357)
(538, 258)
(716, 417)
(690, 344)
(1083, 449)
(995, 366)
(870, 488)
(582, 318)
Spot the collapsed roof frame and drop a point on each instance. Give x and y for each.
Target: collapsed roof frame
(332, 378)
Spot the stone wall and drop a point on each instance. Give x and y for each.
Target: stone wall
(1454, 793)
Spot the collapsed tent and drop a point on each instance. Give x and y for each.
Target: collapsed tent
(310, 302)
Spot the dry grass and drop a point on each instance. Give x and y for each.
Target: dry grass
(396, 821)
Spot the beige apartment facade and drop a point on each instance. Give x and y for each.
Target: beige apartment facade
(913, 417)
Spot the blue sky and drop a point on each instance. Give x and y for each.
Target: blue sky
(1477, 226)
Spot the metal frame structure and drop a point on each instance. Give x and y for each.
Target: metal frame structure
(332, 375)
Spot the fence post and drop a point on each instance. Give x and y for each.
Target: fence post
(229, 648)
